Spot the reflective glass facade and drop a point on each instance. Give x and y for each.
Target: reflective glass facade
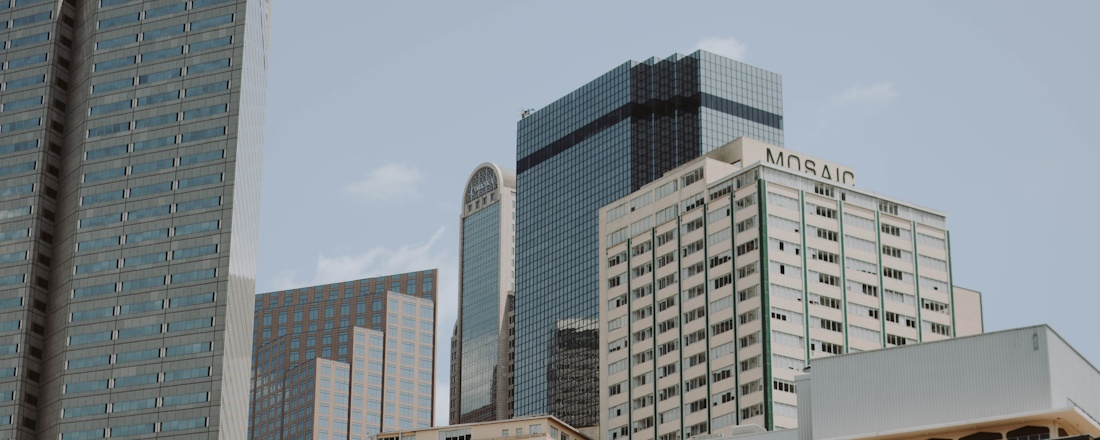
(481, 255)
(130, 155)
(481, 368)
(593, 146)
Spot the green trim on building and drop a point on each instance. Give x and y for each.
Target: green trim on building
(951, 286)
(733, 299)
(881, 287)
(706, 298)
(679, 326)
(805, 282)
(916, 282)
(629, 330)
(843, 278)
(765, 324)
(653, 303)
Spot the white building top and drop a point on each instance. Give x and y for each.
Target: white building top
(929, 390)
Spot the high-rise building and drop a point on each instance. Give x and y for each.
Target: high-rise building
(344, 360)
(131, 136)
(723, 279)
(595, 145)
(481, 348)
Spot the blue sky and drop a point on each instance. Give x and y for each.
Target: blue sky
(378, 112)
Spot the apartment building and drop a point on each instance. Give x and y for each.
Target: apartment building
(725, 278)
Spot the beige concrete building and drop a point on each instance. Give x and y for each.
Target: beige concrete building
(723, 279)
(532, 427)
(1019, 384)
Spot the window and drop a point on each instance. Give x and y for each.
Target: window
(891, 229)
(823, 211)
(939, 329)
(207, 66)
(934, 306)
(211, 22)
(162, 32)
(826, 347)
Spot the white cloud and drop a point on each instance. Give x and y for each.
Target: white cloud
(728, 47)
(880, 93)
(388, 181)
(406, 258)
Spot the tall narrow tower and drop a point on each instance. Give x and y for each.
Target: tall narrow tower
(481, 360)
(130, 155)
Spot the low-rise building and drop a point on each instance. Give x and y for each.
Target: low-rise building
(531, 427)
(1019, 384)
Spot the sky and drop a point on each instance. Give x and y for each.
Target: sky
(378, 112)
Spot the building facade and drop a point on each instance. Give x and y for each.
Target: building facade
(1019, 384)
(481, 357)
(346, 360)
(533, 427)
(723, 279)
(589, 148)
(131, 137)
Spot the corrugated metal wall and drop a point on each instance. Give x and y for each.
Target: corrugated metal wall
(1066, 380)
(938, 383)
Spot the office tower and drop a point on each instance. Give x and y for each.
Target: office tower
(723, 279)
(131, 136)
(344, 360)
(481, 349)
(597, 144)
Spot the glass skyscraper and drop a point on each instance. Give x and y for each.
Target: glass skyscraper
(481, 376)
(597, 144)
(131, 136)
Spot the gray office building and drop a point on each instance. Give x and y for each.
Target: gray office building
(481, 348)
(593, 146)
(131, 135)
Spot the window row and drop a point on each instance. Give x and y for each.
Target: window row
(145, 283)
(153, 34)
(164, 75)
(156, 211)
(144, 428)
(162, 54)
(140, 355)
(155, 188)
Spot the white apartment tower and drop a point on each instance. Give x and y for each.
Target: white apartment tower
(723, 279)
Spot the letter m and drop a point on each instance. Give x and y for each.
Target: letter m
(776, 160)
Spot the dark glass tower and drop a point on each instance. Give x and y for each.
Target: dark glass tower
(589, 148)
